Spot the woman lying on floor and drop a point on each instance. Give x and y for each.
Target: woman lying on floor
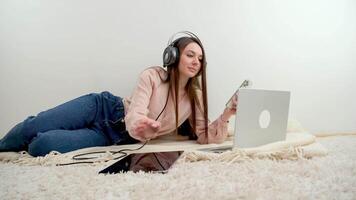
(163, 99)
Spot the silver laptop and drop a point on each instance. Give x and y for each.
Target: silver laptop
(262, 117)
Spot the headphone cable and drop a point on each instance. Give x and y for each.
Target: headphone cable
(121, 151)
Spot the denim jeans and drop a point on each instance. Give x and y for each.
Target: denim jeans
(87, 121)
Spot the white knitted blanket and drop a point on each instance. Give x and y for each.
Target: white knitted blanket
(297, 145)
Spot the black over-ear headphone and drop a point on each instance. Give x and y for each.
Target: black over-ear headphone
(171, 52)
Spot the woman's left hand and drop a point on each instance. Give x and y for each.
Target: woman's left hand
(231, 110)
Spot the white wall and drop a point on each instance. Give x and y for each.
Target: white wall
(53, 51)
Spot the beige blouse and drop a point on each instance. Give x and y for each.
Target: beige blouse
(148, 99)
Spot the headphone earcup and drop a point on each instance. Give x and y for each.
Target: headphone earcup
(170, 55)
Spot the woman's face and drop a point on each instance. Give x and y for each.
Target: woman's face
(190, 60)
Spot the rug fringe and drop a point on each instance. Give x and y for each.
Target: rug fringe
(238, 155)
(291, 151)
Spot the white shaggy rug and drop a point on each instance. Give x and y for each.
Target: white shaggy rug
(332, 176)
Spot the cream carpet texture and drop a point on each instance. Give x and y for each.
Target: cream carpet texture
(302, 167)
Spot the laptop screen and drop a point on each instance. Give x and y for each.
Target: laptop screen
(146, 162)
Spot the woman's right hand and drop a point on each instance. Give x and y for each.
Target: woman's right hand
(146, 129)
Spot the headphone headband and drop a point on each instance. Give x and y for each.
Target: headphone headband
(182, 32)
(171, 53)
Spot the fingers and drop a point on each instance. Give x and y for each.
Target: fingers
(235, 100)
(152, 123)
(147, 128)
(230, 111)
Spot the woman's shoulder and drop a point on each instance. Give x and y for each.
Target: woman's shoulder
(154, 73)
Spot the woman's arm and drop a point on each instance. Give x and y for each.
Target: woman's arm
(217, 130)
(138, 124)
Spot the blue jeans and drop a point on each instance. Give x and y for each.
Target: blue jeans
(88, 121)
